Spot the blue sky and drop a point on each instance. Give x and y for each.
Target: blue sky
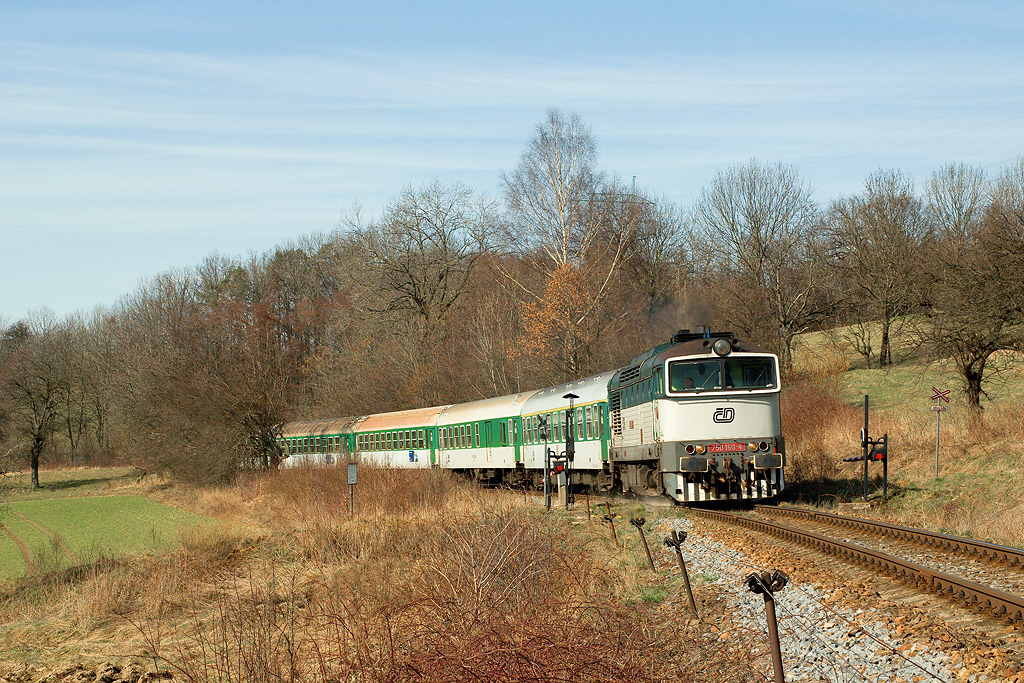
(140, 137)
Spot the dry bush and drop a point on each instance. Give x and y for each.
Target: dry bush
(431, 580)
(819, 429)
(496, 596)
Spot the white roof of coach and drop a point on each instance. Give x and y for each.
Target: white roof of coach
(338, 425)
(589, 389)
(487, 409)
(403, 419)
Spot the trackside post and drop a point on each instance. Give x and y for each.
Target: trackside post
(675, 541)
(639, 522)
(766, 585)
(611, 522)
(352, 489)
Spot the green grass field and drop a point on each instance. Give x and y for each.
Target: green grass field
(62, 483)
(908, 383)
(42, 535)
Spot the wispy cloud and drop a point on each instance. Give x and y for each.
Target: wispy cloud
(230, 149)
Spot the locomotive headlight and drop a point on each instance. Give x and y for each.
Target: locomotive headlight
(701, 448)
(690, 450)
(722, 347)
(763, 445)
(752, 446)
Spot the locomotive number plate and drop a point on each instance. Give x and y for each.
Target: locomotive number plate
(726, 447)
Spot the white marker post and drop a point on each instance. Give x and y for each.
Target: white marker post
(352, 478)
(938, 396)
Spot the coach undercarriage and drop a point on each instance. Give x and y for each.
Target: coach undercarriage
(722, 478)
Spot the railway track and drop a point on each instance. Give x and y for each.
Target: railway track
(993, 602)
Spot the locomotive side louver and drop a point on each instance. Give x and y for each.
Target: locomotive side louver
(615, 407)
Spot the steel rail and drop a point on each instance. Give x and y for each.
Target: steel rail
(996, 603)
(1013, 557)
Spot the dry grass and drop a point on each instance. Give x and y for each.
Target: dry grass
(430, 579)
(978, 493)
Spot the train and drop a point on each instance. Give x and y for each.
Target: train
(693, 419)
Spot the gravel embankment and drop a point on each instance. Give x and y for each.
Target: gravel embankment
(829, 634)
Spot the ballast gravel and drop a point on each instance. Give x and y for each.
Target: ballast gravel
(821, 638)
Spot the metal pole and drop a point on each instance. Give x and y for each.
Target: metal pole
(675, 542)
(773, 635)
(351, 501)
(611, 522)
(767, 585)
(587, 495)
(639, 522)
(547, 479)
(885, 468)
(569, 456)
(865, 448)
(938, 420)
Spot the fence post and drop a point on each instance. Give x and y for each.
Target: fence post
(611, 522)
(766, 585)
(639, 522)
(675, 541)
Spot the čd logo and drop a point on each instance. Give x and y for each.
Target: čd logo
(724, 415)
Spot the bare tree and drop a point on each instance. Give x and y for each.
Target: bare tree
(658, 268)
(32, 386)
(755, 226)
(569, 228)
(550, 190)
(424, 248)
(973, 301)
(876, 240)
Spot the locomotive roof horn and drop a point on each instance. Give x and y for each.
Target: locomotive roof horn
(699, 332)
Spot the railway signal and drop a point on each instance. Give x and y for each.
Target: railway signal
(873, 450)
(544, 431)
(570, 446)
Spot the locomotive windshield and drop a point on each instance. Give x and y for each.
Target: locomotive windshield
(727, 374)
(694, 375)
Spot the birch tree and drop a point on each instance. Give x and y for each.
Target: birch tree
(570, 226)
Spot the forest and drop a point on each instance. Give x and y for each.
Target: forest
(452, 295)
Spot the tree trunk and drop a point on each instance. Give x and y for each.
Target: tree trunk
(884, 352)
(787, 354)
(37, 447)
(972, 385)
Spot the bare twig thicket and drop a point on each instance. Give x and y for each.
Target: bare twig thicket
(450, 297)
(431, 580)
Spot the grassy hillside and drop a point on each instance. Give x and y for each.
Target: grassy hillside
(980, 490)
(64, 532)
